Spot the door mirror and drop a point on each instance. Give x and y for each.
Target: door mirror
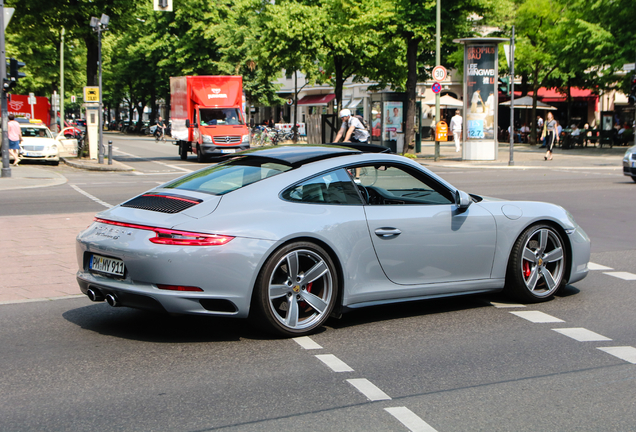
(187, 123)
(462, 200)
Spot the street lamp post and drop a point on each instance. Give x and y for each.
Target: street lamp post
(100, 25)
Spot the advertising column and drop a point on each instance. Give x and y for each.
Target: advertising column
(480, 98)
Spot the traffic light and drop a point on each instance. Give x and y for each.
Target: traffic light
(504, 85)
(15, 69)
(13, 74)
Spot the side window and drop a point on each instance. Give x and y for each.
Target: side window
(393, 184)
(335, 187)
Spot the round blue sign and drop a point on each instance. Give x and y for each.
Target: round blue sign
(437, 87)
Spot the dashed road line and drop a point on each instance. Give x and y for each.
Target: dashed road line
(307, 343)
(582, 335)
(537, 317)
(334, 363)
(593, 266)
(626, 353)
(154, 161)
(409, 419)
(370, 390)
(622, 275)
(504, 305)
(92, 197)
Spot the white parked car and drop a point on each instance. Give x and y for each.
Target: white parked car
(38, 144)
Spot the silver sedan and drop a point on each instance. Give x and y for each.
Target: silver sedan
(293, 235)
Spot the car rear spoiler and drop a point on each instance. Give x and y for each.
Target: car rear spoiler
(363, 147)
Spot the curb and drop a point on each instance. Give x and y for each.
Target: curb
(93, 166)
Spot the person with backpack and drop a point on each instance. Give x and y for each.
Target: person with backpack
(352, 128)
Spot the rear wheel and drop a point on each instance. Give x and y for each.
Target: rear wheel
(296, 290)
(536, 270)
(183, 150)
(634, 179)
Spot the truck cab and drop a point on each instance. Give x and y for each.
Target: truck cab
(208, 116)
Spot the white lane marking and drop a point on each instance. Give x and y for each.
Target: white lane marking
(594, 266)
(582, 335)
(626, 353)
(334, 363)
(507, 305)
(370, 390)
(622, 275)
(157, 162)
(307, 343)
(94, 198)
(537, 317)
(409, 419)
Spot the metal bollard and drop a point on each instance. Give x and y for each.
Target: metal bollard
(110, 152)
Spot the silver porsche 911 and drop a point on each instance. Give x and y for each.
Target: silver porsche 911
(292, 235)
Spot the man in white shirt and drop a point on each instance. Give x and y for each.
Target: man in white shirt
(456, 128)
(352, 129)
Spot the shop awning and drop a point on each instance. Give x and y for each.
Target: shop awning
(620, 99)
(354, 103)
(552, 95)
(317, 100)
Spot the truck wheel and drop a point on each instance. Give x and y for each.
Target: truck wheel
(200, 157)
(183, 150)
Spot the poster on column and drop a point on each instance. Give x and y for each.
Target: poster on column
(481, 88)
(392, 120)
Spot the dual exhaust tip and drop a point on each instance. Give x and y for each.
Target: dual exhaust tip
(97, 296)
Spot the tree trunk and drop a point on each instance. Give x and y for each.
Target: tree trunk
(569, 121)
(411, 93)
(338, 67)
(535, 91)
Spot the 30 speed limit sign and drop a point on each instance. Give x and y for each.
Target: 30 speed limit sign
(439, 73)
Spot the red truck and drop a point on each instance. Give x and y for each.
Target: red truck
(207, 115)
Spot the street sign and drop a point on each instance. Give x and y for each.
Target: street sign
(439, 73)
(290, 101)
(437, 87)
(73, 98)
(91, 94)
(629, 67)
(8, 13)
(31, 99)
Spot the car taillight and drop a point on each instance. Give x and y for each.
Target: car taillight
(175, 237)
(178, 288)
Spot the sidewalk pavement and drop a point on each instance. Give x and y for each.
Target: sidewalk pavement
(40, 262)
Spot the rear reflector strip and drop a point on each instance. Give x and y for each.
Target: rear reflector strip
(178, 288)
(175, 237)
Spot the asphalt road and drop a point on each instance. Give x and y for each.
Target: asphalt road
(468, 363)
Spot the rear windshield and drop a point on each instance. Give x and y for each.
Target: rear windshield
(220, 116)
(226, 177)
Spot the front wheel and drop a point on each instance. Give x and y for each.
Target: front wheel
(536, 270)
(296, 290)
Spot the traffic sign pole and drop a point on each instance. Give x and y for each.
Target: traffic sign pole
(438, 60)
(6, 168)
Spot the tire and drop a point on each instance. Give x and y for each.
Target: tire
(55, 163)
(634, 179)
(200, 157)
(296, 302)
(183, 150)
(537, 265)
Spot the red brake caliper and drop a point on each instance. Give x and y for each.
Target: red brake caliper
(303, 304)
(526, 269)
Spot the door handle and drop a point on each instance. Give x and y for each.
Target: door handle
(387, 232)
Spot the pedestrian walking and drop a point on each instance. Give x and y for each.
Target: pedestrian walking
(456, 128)
(15, 138)
(550, 134)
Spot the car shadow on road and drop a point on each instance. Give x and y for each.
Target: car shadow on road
(139, 325)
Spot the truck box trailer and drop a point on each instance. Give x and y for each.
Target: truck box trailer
(207, 115)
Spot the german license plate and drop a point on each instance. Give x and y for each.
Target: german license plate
(228, 150)
(107, 265)
(32, 153)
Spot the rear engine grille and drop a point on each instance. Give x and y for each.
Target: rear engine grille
(163, 203)
(230, 139)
